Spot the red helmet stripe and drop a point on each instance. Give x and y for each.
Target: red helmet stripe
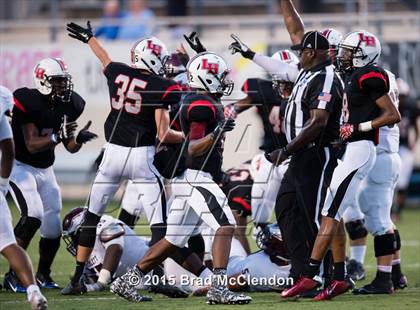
(285, 55)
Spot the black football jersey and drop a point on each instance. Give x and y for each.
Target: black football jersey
(237, 188)
(362, 88)
(270, 109)
(134, 98)
(203, 109)
(33, 107)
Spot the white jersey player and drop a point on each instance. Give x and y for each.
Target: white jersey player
(16, 256)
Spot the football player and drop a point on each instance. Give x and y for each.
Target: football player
(42, 118)
(368, 84)
(270, 98)
(117, 248)
(18, 260)
(139, 98)
(198, 197)
(409, 117)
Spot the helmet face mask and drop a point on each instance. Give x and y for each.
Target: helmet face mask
(71, 242)
(72, 223)
(345, 58)
(283, 88)
(62, 87)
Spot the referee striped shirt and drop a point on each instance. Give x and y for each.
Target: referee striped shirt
(317, 88)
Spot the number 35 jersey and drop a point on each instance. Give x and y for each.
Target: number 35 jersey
(135, 96)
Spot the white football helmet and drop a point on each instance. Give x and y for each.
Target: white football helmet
(333, 36)
(72, 222)
(364, 47)
(6, 100)
(286, 56)
(208, 71)
(149, 54)
(283, 88)
(51, 77)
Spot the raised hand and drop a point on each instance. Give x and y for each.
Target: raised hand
(79, 33)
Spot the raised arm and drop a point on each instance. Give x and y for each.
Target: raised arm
(294, 23)
(85, 35)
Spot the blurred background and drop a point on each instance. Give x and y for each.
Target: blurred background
(33, 29)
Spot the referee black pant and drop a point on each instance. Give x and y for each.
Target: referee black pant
(300, 201)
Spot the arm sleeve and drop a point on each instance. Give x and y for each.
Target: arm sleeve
(111, 70)
(374, 84)
(5, 130)
(197, 130)
(285, 71)
(79, 105)
(322, 93)
(20, 110)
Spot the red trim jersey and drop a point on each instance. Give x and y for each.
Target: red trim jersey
(134, 97)
(33, 107)
(200, 115)
(362, 88)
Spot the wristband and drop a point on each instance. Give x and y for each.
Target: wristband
(104, 276)
(366, 126)
(4, 181)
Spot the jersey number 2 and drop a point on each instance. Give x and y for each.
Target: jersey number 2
(128, 95)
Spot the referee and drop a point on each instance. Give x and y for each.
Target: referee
(311, 123)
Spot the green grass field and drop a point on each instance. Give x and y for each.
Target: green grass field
(406, 299)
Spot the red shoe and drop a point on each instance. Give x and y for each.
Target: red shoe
(335, 288)
(301, 286)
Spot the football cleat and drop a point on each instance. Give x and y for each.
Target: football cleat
(169, 290)
(45, 281)
(375, 287)
(334, 289)
(125, 286)
(74, 289)
(400, 282)
(222, 295)
(301, 286)
(355, 270)
(12, 283)
(38, 301)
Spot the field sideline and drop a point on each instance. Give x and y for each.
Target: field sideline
(63, 267)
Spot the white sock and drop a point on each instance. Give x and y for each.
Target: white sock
(30, 290)
(396, 261)
(357, 252)
(387, 269)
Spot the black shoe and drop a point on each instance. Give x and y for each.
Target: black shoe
(400, 282)
(378, 286)
(45, 281)
(74, 289)
(168, 290)
(12, 283)
(355, 270)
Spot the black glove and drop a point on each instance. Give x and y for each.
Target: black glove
(239, 47)
(67, 130)
(194, 42)
(228, 125)
(80, 33)
(85, 135)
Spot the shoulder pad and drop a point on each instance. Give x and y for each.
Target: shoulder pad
(78, 102)
(28, 99)
(111, 232)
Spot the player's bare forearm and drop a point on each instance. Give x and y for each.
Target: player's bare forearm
(243, 104)
(99, 51)
(389, 113)
(72, 146)
(33, 141)
(313, 127)
(294, 23)
(165, 134)
(112, 258)
(200, 146)
(7, 156)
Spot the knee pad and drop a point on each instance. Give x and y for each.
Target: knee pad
(196, 244)
(397, 240)
(356, 229)
(129, 219)
(26, 228)
(384, 245)
(88, 230)
(158, 232)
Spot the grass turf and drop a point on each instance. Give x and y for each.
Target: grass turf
(63, 267)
